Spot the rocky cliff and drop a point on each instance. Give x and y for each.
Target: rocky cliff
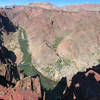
(10, 73)
(59, 41)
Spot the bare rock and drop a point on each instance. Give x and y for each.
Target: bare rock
(16, 94)
(67, 48)
(32, 84)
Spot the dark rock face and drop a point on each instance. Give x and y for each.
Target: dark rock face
(8, 66)
(87, 87)
(7, 58)
(7, 24)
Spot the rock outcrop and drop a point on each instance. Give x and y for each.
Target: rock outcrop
(31, 84)
(16, 94)
(26, 89)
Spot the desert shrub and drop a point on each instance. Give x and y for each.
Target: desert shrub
(67, 61)
(63, 62)
(56, 43)
(59, 63)
(99, 61)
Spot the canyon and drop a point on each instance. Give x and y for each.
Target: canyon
(59, 40)
(42, 45)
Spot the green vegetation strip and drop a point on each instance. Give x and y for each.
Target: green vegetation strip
(56, 43)
(26, 65)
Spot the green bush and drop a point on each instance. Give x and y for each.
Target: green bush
(67, 61)
(56, 43)
(99, 61)
(59, 63)
(63, 62)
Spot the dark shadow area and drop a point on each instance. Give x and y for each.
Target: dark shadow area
(57, 92)
(7, 24)
(1, 39)
(95, 68)
(5, 83)
(7, 58)
(85, 85)
(12, 72)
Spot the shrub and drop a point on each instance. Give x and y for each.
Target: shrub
(59, 63)
(56, 43)
(67, 61)
(99, 61)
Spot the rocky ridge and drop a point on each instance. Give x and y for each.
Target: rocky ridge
(43, 5)
(86, 7)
